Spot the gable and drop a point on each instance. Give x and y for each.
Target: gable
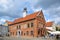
(41, 16)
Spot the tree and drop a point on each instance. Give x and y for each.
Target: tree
(57, 29)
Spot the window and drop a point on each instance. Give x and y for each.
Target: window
(31, 32)
(10, 33)
(28, 25)
(22, 33)
(27, 32)
(31, 24)
(40, 24)
(16, 33)
(18, 27)
(13, 33)
(38, 31)
(39, 16)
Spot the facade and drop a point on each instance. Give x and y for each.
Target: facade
(32, 25)
(57, 27)
(3, 30)
(51, 28)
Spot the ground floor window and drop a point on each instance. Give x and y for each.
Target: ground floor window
(24, 33)
(21, 32)
(27, 32)
(31, 32)
(38, 31)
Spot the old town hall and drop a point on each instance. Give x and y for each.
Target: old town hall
(32, 25)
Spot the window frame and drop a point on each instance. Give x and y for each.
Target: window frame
(32, 24)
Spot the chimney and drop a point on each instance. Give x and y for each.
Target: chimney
(24, 12)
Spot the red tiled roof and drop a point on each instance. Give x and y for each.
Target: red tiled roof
(28, 17)
(9, 22)
(49, 24)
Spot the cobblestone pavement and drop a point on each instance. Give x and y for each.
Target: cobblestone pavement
(18, 38)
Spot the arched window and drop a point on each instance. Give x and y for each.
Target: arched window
(38, 31)
(24, 33)
(21, 32)
(27, 32)
(31, 32)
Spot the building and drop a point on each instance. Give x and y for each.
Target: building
(32, 25)
(51, 28)
(3, 30)
(58, 27)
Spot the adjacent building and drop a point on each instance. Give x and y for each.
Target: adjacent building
(3, 30)
(32, 25)
(52, 28)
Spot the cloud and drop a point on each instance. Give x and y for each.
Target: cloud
(51, 9)
(13, 8)
(4, 18)
(10, 9)
(47, 3)
(53, 14)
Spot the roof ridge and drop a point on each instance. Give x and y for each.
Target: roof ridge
(28, 17)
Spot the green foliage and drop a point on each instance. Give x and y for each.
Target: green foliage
(59, 29)
(56, 28)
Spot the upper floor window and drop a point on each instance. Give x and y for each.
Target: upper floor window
(31, 24)
(18, 27)
(40, 24)
(28, 25)
(39, 16)
(25, 25)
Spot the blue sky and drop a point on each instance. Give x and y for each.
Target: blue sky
(12, 9)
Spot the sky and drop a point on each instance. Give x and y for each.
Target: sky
(12, 9)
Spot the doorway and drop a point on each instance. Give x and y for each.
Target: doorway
(18, 33)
